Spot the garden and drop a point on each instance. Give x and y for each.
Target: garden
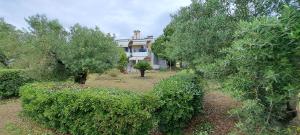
(238, 74)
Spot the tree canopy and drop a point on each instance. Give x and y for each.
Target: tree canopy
(9, 42)
(50, 52)
(251, 47)
(89, 51)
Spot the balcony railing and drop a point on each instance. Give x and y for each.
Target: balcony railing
(137, 54)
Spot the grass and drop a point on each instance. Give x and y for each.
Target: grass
(12, 123)
(132, 81)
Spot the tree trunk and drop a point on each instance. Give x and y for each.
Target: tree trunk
(292, 109)
(3, 60)
(80, 78)
(142, 73)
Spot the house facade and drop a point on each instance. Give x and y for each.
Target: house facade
(137, 48)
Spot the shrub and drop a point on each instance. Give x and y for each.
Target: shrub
(252, 117)
(123, 61)
(10, 81)
(181, 98)
(142, 66)
(75, 110)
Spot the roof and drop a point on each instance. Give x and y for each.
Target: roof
(125, 42)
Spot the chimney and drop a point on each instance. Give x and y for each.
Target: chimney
(136, 34)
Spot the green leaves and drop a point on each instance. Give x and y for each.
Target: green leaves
(142, 65)
(181, 98)
(201, 30)
(89, 50)
(72, 109)
(263, 66)
(10, 81)
(123, 61)
(160, 45)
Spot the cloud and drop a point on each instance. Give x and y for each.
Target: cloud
(112, 16)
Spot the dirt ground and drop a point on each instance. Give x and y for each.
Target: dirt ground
(216, 107)
(8, 113)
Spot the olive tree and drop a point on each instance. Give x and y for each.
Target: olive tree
(9, 43)
(42, 42)
(88, 51)
(264, 67)
(204, 28)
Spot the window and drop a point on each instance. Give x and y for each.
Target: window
(142, 49)
(126, 49)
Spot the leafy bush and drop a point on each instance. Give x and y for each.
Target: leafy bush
(142, 66)
(75, 110)
(181, 98)
(252, 117)
(10, 81)
(123, 61)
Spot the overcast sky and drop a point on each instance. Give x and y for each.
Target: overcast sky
(112, 16)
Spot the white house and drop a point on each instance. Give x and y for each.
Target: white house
(138, 48)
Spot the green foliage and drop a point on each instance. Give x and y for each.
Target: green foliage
(89, 51)
(252, 117)
(49, 52)
(72, 109)
(76, 110)
(201, 30)
(9, 43)
(262, 57)
(181, 96)
(142, 65)
(204, 129)
(42, 43)
(160, 44)
(10, 81)
(263, 67)
(123, 61)
(200, 34)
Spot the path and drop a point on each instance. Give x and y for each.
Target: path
(216, 107)
(9, 111)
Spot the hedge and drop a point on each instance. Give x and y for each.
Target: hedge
(10, 81)
(75, 110)
(181, 96)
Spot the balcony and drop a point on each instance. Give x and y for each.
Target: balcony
(137, 54)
